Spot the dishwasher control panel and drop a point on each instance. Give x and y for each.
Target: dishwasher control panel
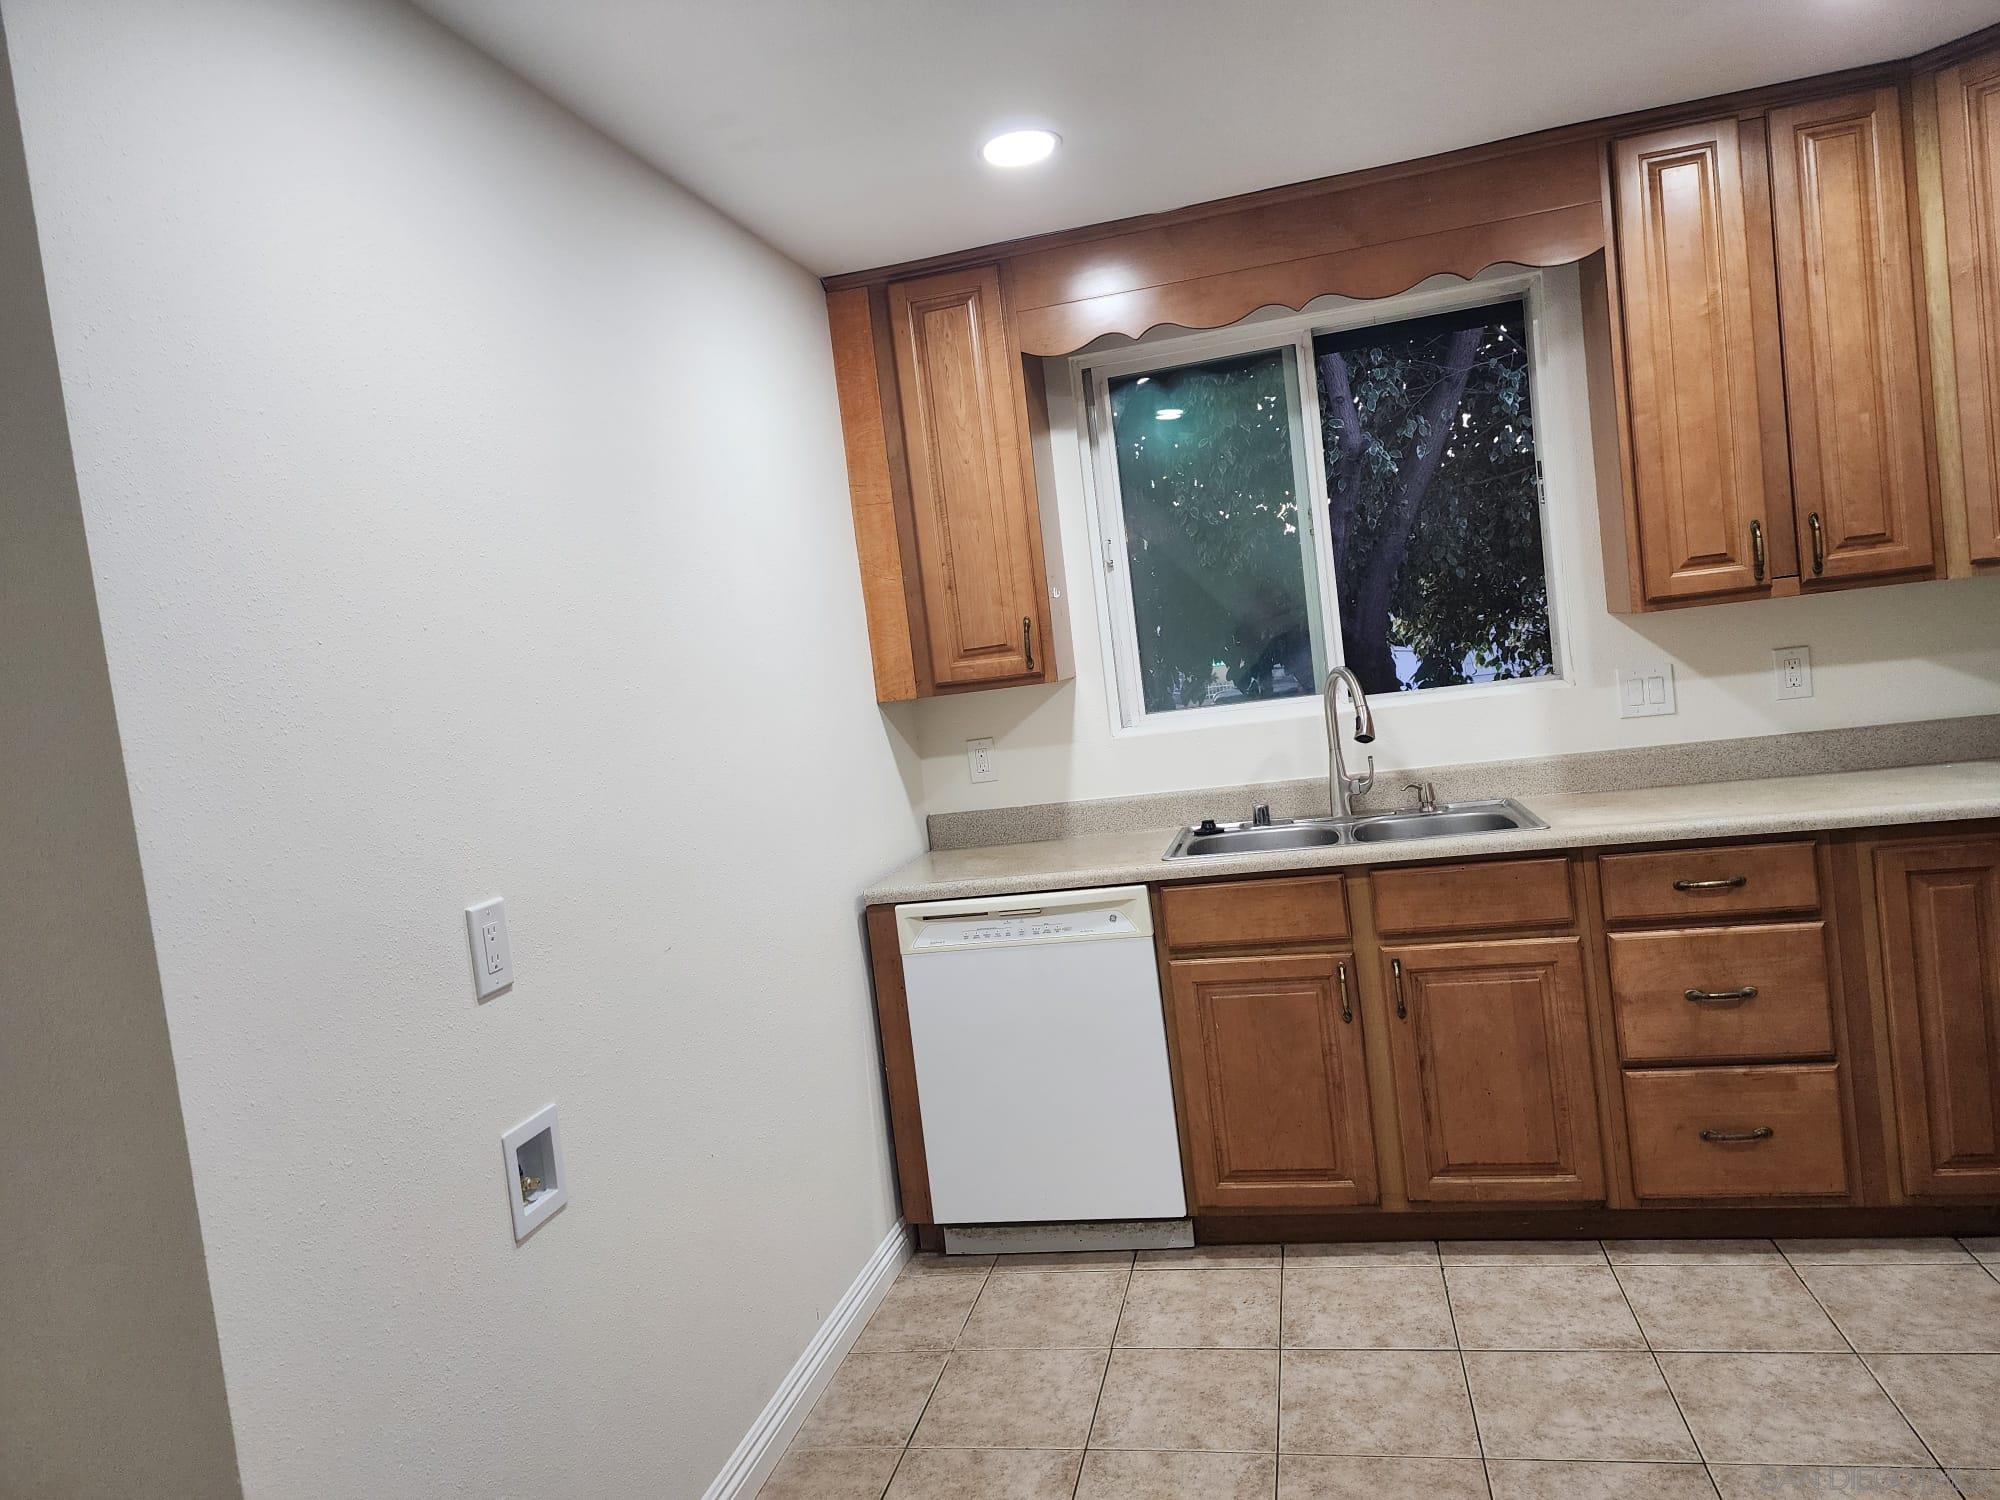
(1013, 926)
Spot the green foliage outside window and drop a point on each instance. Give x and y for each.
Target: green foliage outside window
(1433, 514)
(1210, 473)
(1433, 501)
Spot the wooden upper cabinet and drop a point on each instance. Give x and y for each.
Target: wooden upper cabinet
(977, 532)
(1696, 426)
(1968, 145)
(1490, 1044)
(1274, 1106)
(1853, 371)
(1939, 907)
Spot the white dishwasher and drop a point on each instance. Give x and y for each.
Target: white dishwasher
(1041, 1058)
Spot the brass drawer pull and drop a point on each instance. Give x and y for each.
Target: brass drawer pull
(1757, 550)
(1723, 1137)
(1722, 997)
(1734, 882)
(1402, 1010)
(1346, 1009)
(1818, 543)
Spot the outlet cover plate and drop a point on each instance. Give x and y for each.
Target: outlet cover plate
(979, 760)
(1791, 666)
(492, 955)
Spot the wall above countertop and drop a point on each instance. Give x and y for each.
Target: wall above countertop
(1926, 742)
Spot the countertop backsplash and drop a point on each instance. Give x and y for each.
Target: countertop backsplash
(1867, 748)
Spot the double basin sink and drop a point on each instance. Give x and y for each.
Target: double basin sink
(1497, 816)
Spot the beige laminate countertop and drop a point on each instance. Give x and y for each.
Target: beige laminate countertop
(1724, 809)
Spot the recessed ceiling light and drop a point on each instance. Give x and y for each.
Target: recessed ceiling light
(1168, 414)
(1020, 148)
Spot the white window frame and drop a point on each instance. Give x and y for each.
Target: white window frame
(1090, 377)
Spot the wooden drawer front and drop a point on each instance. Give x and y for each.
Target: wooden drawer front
(1677, 883)
(1790, 1013)
(1803, 1155)
(1245, 913)
(1473, 898)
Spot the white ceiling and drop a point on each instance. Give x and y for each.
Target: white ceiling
(847, 132)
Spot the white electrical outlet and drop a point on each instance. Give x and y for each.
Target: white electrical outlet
(1646, 691)
(1792, 666)
(492, 956)
(979, 757)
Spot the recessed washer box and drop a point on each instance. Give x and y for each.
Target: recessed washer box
(537, 1185)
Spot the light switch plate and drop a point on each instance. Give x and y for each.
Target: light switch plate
(1792, 667)
(979, 759)
(492, 957)
(1644, 692)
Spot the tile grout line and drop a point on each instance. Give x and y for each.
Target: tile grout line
(985, 1279)
(1278, 1415)
(1700, 1453)
(1862, 1360)
(1464, 1372)
(1090, 1427)
(1990, 1270)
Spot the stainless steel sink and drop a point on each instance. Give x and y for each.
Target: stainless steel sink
(1453, 818)
(1248, 838)
(1497, 816)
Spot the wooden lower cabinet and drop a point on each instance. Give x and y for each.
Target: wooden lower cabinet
(1490, 1042)
(1820, 1042)
(1938, 905)
(1273, 1088)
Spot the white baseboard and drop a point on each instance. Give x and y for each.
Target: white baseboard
(764, 1444)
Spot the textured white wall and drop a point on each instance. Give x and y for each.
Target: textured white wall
(468, 516)
(1881, 655)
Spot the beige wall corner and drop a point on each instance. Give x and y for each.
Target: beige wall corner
(110, 1378)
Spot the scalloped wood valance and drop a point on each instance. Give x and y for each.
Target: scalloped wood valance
(1537, 207)
(1554, 238)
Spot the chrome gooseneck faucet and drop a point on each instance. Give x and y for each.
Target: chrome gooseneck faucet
(1341, 788)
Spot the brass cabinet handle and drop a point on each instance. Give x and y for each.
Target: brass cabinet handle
(1346, 1009)
(1402, 1010)
(1761, 1133)
(1027, 641)
(1733, 882)
(1721, 997)
(1818, 543)
(1757, 550)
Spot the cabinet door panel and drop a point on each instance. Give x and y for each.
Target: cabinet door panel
(1968, 104)
(978, 547)
(1940, 915)
(1685, 272)
(1847, 295)
(1274, 1096)
(1491, 1050)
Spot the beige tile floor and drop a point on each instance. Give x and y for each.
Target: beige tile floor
(1571, 1370)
